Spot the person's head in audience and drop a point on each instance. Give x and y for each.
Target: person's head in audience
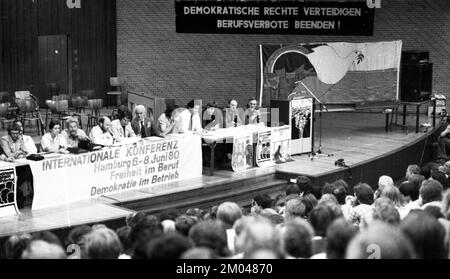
(441, 177)
(310, 201)
(294, 209)
(184, 223)
(228, 213)
(198, 253)
(254, 233)
(193, 107)
(260, 202)
(412, 169)
(170, 214)
(123, 233)
(145, 229)
(168, 246)
(124, 116)
(263, 254)
(428, 168)
(293, 189)
(212, 235)
(16, 244)
(383, 181)
(446, 168)
(426, 234)
(55, 128)
(320, 218)
(393, 194)
(363, 193)
(446, 205)
(211, 214)
(196, 213)
(40, 249)
(297, 237)
(339, 234)
(279, 202)
(430, 191)
(380, 241)
(46, 236)
(139, 111)
(384, 210)
(74, 241)
(331, 202)
(417, 179)
(104, 123)
(340, 192)
(102, 243)
(327, 188)
(409, 190)
(304, 184)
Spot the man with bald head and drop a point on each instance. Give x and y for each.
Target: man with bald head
(102, 133)
(143, 125)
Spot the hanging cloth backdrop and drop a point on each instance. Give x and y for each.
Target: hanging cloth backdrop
(337, 73)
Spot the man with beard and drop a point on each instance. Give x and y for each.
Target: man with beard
(72, 134)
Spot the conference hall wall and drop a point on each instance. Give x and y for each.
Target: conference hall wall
(154, 59)
(26, 46)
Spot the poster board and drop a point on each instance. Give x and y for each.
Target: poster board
(242, 158)
(8, 191)
(301, 115)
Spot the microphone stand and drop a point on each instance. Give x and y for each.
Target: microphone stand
(321, 108)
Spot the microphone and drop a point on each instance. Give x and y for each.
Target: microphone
(235, 121)
(257, 119)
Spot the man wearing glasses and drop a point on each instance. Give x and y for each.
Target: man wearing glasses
(252, 114)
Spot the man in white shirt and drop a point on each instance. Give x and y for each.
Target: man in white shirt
(121, 127)
(102, 134)
(29, 144)
(72, 134)
(188, 120)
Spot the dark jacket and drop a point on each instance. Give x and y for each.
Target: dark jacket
(151, 129)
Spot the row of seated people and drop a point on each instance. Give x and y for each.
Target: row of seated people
(16, 145)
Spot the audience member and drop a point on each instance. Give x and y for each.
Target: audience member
(211, 235)
(39, 249)
(297, 238)
(339, 234)
(102, 243)
(168, 246)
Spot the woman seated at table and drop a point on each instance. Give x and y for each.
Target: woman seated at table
(54, 141)
(252, 114)
(232, 117)
(212, 117)
(13, 146)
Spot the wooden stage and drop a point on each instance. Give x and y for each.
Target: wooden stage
(359, 138)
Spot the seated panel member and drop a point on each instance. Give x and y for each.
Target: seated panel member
(188, 120)
(53, 141)
(102, 134)
(232, 117)
(72, 134)
(121, 127)
(30, 146)
(212, 117)
(252, 114)
(166, 121)
(13, 146)
(142, 125)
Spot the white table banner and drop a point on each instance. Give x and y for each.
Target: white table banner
(68, 178)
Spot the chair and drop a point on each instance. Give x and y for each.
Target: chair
(79, 103)
(51, 112)
(94, 106)
(116, 85)
(4, 114)
(62, 108)
(29, 111)
(22, 95)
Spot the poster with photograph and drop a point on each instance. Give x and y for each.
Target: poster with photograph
(301, 125)
(263, 148)
(281, 138)
(8, 204)
(242, 158)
